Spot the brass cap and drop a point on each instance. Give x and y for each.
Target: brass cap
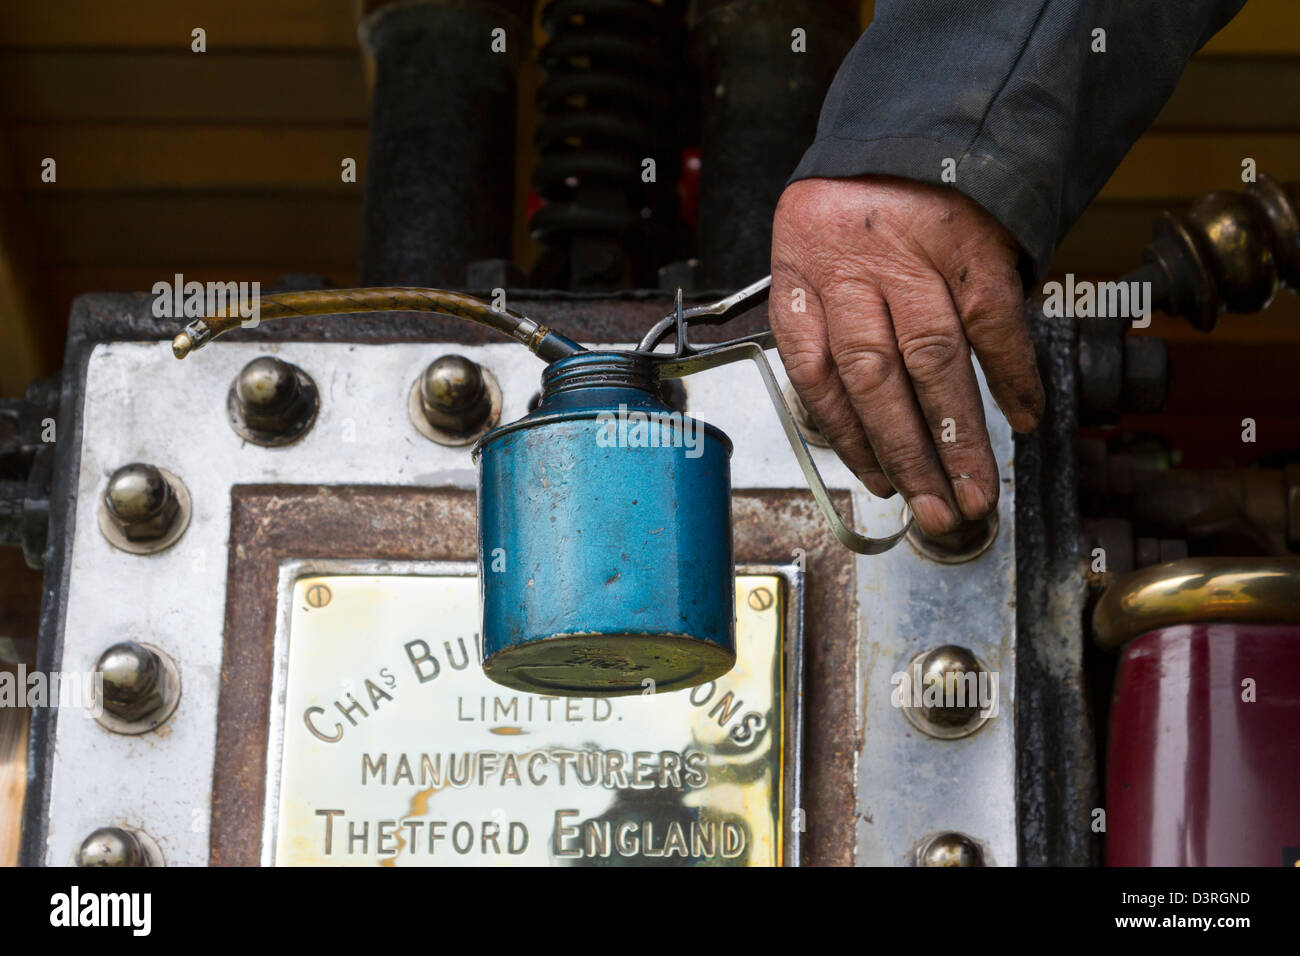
(136, 493)
(949, 849)
(112, 846)
(1198, 591)
(454, 394)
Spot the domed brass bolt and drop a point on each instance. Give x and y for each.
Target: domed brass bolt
(1229, 251)
(1239, 253)
(949, 849)
(141, 500)
(948, 692)
(144, 509)
(141, 687)
(272, 402)
(111, 846)
(455, 401)
(118, 846)
(454, 394)
(965, 543)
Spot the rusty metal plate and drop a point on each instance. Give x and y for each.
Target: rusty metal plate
(388, 746)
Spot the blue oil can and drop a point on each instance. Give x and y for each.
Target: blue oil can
(605, 555)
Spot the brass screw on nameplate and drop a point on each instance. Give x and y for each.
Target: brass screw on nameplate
(318, 595)
(112, 846)
(760, 599)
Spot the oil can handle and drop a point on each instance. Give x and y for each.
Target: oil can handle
(712, 313)
(679, 367)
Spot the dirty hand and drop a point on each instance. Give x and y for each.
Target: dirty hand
(881, 287)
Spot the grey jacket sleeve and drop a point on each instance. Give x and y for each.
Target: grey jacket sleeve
(1013, 92)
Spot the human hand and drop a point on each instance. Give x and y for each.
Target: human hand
(899, 281)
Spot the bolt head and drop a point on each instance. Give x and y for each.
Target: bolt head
(272, 402)
(267, 384)
(133, 680)
(137, 492)
(141, 502)
(454, 395)
(966, 535)
(111, 846)
(144, 509)
(944, 667)
(966, 542)
(452, 385)
(950, 849)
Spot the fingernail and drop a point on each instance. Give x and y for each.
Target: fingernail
(1024, 423)
(878, 485)
(971, 498)
(1030, 412)
(932, 514)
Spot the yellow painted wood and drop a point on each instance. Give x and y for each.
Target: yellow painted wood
(1178, 166)
(230, 24)
(293, 86)
(22, 312)
(188, 230)
(1262, 26)
(115, 157)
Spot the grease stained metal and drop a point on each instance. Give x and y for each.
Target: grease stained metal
(396, 750)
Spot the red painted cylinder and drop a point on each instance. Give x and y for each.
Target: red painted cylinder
(1204, 757)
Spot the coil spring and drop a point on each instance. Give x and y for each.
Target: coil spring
(609, 101)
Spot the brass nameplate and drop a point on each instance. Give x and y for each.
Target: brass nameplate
(397, 751)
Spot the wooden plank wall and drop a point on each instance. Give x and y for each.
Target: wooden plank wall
(220, 165)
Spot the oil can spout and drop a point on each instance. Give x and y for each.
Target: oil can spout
(545, 343)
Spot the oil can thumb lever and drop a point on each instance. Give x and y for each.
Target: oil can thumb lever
(739, 350)
(712, 313)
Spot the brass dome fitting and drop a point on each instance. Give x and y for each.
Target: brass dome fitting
(1198, 591)
(1229, 252)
